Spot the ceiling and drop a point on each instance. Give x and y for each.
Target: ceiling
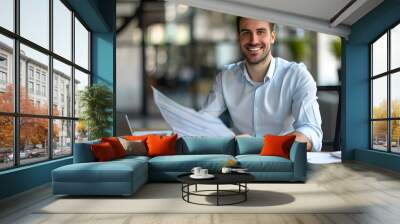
(326, 16)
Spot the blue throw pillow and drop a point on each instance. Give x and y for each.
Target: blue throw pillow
(249, 145)
(193, 145)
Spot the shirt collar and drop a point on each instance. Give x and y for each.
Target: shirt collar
(269, 75)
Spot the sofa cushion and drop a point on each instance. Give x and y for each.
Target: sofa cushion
(190, 145)
(257, 163)
(185, 163)
(249, 145)
(277, 145)
(161, 145)
(111, 171)
(83, 152)
(103, 152)
(136, 147)
(116, 145)
(133, 158)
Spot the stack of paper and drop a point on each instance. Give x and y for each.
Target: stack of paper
(188, 122)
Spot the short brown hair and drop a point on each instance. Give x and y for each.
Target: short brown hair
(238, 18)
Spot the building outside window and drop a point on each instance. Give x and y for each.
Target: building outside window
(38, 89)
(3, 72)
(3, 78)
(30, 72)
(43, 90)
(30, 87)
(37, 74)
(3, 61)
(385, 94)
(44, 77)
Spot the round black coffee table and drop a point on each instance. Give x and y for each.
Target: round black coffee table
(238, 179)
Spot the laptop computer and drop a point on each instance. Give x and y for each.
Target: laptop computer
(149, 132)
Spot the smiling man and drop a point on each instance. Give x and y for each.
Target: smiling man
(266, 94)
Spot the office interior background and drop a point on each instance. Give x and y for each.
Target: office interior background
(180, 49)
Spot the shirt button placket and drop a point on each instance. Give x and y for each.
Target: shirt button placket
(256, 110)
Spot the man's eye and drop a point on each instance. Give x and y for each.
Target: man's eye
(261, 32)
(244, 33)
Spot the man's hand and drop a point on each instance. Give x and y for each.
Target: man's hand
(300, 137)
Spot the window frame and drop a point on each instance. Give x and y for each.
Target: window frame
(16, 114)
(388, 74)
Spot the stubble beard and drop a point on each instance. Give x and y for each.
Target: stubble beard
(261, 60)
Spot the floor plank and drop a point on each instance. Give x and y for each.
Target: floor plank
(376, 189)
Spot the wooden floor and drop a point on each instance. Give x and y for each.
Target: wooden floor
(377, 188)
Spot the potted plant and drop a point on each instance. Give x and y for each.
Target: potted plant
(336, 49)
(96, 102)
(298, 48)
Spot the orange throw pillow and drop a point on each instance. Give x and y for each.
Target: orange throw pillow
(103, 152)
(161, 145)
(116, 145)
(136, 137)
(277, 145)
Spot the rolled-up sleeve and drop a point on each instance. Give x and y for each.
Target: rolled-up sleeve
(215, 102)
(305, 109)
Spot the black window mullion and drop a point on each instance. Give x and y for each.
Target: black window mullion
(16, 84)
(73, 82)
(371, 94)
(389, 106)
(50, 87)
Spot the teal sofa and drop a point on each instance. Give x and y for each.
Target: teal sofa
(125, 176)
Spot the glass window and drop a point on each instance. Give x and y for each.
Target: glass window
(381, 119)
(379, 133)
(395, 136)
(30, 71)
(379, 56)
(7, 14)
(6, 142)
(34, 21)
(379, 97)
(3, 61)
(81, 81)
(43, 90)
(81, 131)
(395, 95)
(6, 74)
(62, 72)
(37, 89)
(30, 87)
(34, 79)
(81, 45)
(395, 47)
(3, 78)
(33, 140)
(37, 75)
(40, 62)
(62, 138)
(62, 29)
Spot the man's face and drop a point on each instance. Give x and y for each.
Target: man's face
(255, 39)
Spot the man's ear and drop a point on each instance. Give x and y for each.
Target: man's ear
(273, 36)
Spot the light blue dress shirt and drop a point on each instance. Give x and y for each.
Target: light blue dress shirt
(284, 102)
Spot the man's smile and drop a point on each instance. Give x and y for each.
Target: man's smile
(254, 49)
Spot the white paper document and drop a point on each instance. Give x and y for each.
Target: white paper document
(323, 157)
(187, 122)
